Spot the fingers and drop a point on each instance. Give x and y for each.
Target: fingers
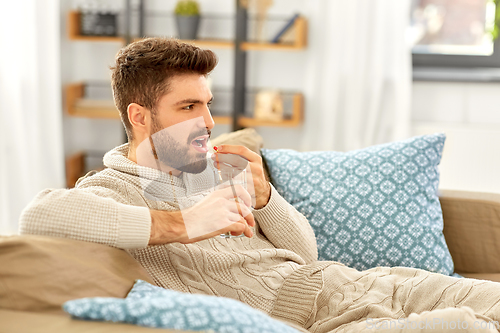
(229, 161)
(246, 219)
(250, 219)
(243, 212)
(237, 192)
(239, 150)
(225, 210)
(248, 232)
(240, 227)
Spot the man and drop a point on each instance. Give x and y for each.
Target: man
(141, 203)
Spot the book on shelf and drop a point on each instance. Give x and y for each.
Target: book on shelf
(286, 27)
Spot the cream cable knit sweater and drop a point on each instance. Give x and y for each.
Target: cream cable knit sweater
(112, 208)
(275, 271)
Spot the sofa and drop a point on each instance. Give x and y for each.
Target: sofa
(39, 273)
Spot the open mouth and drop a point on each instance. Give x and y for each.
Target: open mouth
(200, 144)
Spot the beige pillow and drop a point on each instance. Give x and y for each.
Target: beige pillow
(247, 137)
(39, 273)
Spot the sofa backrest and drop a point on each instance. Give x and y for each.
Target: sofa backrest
(472, 230)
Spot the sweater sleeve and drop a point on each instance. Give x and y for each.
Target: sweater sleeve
(93, 214)
(287, 228)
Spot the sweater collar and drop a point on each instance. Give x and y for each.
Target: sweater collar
(157, 183)
(117, 159)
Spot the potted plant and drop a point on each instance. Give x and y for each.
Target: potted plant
(187, 17)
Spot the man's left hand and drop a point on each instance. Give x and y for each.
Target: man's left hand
(238, 156)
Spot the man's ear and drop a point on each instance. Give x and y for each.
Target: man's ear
(139, 117)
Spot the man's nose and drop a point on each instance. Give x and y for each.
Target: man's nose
(207, 118)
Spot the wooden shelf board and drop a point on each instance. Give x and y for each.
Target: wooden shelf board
(251, 122)
(251, 46)
(222, 120)
(97, 39)
(221, 44)
(95, 112)
(215, 43)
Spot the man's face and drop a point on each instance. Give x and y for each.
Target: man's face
(181, 127)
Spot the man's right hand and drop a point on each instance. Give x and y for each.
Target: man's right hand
(216, 214)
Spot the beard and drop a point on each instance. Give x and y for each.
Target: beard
(175, 154)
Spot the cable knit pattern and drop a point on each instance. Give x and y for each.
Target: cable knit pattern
(330, 297)
(275, 271)
(112, 208)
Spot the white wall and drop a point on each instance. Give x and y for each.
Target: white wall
(469, 114)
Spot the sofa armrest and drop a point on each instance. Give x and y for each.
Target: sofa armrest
(40, 273)
(472, 230)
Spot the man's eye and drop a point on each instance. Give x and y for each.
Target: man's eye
(189, 107)
(209, 104)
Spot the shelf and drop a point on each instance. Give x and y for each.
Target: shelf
(293, 40)
(222, 120)
(78, 106)
(295, 120)
(74, 31)
(207, 43)
(251, 46)
(297, 40)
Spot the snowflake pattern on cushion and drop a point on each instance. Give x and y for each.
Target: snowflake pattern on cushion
(152, 306)
(371, 207)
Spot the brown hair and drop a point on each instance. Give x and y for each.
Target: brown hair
(143, 69)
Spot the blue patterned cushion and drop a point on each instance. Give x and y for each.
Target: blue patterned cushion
(371, 207)
(151, 306)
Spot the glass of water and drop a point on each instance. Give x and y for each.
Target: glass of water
(230, 177)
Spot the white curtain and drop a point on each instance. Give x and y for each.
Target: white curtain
(359, 84)
(31, 152)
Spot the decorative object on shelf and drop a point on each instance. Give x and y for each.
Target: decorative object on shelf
(288, 26)
(268, 105)
(97, 20)
(262, 7)
(187, 18)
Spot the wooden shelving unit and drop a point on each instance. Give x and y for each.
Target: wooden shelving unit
(78, 106)
(299, 41)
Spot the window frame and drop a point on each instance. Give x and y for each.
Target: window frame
(458, 60)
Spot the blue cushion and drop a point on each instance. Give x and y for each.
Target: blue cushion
(371, 207)
(151, 306)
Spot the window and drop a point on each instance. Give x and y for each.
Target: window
(454, 33)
